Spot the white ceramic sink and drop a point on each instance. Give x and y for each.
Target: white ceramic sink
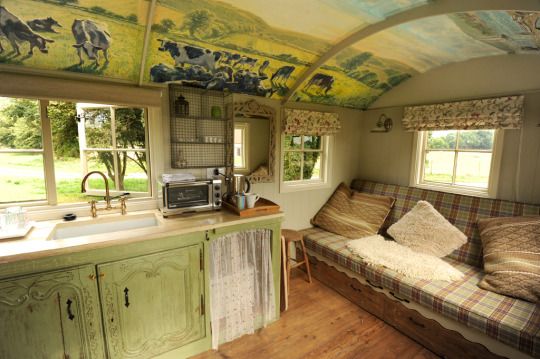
(103, 225)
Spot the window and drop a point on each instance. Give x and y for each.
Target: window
(240, 145)
(460, 161)
(46, 147)
(22, 169)
(304, 162)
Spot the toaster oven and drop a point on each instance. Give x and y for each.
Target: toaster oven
(190, 196)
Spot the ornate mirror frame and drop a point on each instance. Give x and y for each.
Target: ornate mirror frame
(253, 109)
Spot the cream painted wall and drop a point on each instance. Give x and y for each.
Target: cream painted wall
(387, 157)
(301, 206)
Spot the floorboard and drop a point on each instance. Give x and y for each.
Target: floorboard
(321, 324)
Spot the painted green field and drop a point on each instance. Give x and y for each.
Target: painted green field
(125, 51)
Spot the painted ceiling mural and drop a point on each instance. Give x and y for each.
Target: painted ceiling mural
(386, 59)
(254, 46)
(69, 35)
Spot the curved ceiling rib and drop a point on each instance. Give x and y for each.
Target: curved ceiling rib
(432, 9)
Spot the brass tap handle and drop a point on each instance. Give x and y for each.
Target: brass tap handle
(123, 207)
(93, 208)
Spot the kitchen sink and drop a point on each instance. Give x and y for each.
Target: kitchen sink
(103, 225)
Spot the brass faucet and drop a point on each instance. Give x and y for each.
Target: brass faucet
(108, 206)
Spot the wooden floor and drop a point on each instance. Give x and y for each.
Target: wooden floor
(321, 324)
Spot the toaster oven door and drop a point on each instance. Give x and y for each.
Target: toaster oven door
(189, 196)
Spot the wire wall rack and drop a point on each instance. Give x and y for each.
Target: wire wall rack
(201, 128)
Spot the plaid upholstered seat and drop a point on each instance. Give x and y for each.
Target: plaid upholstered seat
(462, 211)
(511, 321)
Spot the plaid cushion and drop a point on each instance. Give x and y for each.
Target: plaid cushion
(508, 320)
(460, 210)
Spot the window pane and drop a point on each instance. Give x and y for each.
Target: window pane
(476, 140)
(133, 170)
(130, 128)
(293, 142)
(20, 124)
(473, 169)
(292, 166)
(312, 165)
(445, 140)
(239, 160)
(439, 166)
(97, 123)
(312, 142)
(100, 161)
(21, 177)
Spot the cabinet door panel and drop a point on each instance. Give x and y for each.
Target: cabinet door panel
(151, 304)
(51, 315)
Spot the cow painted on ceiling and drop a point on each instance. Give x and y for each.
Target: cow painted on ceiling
(17, 32)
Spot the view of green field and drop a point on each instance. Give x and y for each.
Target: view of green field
(22, 179)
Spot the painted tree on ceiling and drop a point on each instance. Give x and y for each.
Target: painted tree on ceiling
(257, 47)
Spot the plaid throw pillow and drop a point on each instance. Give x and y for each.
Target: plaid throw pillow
(511, 256)
(353, 214)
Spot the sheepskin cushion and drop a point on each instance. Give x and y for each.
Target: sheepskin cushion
(353, 214)
(375, 250)
(511, 248)
(425, 230)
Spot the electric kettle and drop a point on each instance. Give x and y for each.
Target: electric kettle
(240, 184)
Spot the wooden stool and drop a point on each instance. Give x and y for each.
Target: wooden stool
(291, 236)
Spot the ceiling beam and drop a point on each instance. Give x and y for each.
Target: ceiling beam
(147, 36)
(438, 7)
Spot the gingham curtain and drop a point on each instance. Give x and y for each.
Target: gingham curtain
(303, 122)
(492, 113)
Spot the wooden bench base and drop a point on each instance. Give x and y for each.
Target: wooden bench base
(441, 341)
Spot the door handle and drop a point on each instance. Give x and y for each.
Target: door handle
(70, 313)
(126, 297)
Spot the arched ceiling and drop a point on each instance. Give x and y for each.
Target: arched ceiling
(346, 53)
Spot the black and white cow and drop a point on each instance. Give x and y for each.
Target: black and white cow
(15, 31)
(193, 55)
(245, 61)
(280, 77)
(44, 25)
(90, 38)
(322, 81)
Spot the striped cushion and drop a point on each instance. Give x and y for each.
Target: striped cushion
(511, 321)
(460, 210)
(353, 214)
(512, 256)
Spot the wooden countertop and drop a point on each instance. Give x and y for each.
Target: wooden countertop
(38, 243)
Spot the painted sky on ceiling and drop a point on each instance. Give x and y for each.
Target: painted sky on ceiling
(257, 47)
(392, 56)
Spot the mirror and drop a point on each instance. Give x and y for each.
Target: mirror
(254, 141)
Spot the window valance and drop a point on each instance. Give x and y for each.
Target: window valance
(303, 122)
(491, 113)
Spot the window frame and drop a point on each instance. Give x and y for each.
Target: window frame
(114, 149)
(302, 185)
(418, 163)
(244, 126)
(49, 207)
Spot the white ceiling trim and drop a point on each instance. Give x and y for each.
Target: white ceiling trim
(438, 7)
(147, 37)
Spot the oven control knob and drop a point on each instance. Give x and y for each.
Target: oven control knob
(218, 195)
(218, 203)
(217, 187)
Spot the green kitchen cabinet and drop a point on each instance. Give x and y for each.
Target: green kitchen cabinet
(51, 315)
(153, 303)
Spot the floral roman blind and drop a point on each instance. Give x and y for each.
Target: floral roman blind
(303, 122)
(490, 113)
